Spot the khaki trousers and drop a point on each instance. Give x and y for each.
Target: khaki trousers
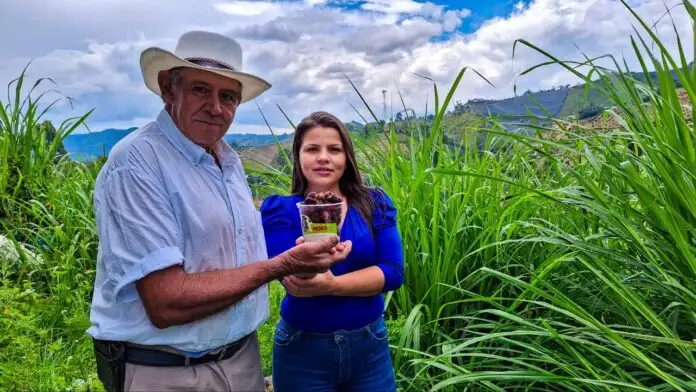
(239, 373)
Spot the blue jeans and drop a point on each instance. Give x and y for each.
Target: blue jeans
(342, 361)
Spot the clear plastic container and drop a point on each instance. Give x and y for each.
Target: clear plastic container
(320, 221)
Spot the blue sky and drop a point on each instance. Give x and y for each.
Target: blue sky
(480, 10)
(484, 10)
(304, 47)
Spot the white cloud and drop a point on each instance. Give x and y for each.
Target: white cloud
(453, 19)
(239, 128)
(519, 7)
(392, 6)
(403, 37)
(306, 50)
(245, 8)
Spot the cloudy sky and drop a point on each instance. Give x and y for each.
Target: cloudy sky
(306, 48)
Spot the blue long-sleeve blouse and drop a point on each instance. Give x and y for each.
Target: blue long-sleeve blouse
(381, 248)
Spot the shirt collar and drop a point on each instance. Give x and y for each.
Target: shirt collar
(227, 156)
(188, 148)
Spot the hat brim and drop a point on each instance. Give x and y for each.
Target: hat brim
(154, 60)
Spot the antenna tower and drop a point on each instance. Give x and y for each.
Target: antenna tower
(384, 105)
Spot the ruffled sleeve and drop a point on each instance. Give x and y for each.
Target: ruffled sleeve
(277, 224)
(390, 255)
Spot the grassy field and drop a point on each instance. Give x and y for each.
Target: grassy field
(533, 264)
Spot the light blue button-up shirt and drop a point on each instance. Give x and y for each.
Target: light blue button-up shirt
(160, 200)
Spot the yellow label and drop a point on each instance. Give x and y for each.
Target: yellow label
(322, 228)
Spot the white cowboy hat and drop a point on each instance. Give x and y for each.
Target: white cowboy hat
(202, 50)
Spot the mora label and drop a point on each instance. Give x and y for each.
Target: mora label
(322, 228)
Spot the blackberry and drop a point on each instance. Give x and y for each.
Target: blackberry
(330, 214)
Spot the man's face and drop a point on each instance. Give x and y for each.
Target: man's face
(202, 104)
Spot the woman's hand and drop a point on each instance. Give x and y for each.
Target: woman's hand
(320, 284)
(309, 284)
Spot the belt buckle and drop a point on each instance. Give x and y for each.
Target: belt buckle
(222, 353)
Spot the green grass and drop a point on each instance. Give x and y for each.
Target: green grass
(532, 264)
(265, 333)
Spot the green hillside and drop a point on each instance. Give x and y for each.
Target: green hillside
(579, 99)
(562, 101)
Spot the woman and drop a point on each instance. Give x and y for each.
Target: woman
(331, 335)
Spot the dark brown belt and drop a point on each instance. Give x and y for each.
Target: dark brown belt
(139, 355)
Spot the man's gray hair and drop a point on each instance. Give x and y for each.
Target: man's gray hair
(175, 75)
(174, 78)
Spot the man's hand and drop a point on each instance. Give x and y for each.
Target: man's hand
(314, 257)
(300, 240)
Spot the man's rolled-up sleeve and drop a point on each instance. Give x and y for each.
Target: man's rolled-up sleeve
(139, 231)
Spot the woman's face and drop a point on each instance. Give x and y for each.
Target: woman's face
(322, 158)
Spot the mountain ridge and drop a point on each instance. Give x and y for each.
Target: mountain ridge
(88, 146)
(559, 102)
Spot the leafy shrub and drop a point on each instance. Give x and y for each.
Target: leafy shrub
(590, 111)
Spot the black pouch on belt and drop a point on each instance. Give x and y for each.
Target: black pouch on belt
(111, 364)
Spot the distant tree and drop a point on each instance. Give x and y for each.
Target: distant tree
(233, 144)
(284, 163)
(352, 127)
(459, 107)
(399, 117)
(49, 130)
(590, 111)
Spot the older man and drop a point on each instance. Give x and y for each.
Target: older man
(182, 267)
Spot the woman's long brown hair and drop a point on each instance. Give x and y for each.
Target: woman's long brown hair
(351, 183)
